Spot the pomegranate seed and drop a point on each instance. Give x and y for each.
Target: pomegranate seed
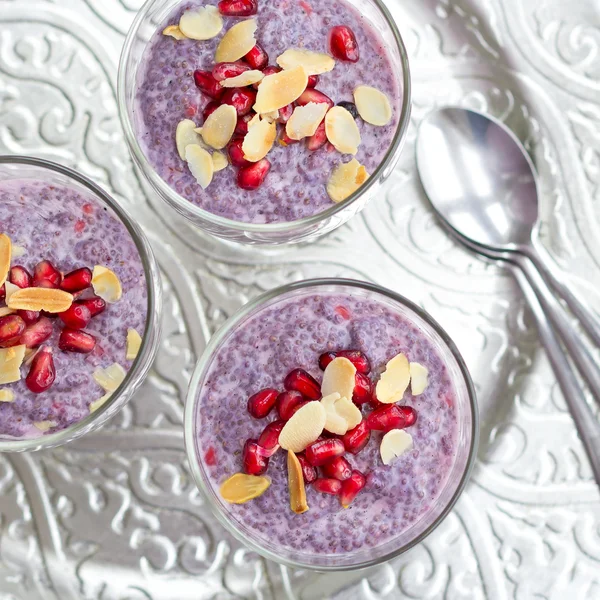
(350, 107)
(306, 384)
(79, 225)
(363, 389)
(318, 139)
(313, 81)
(208, 85)
(342, 311)
(209, 109)
(76, 341)
(242, 123)
(3, 292)
(236, 154)
(253, 176)
(286, 402)
(356, 439)
(310, 95)
(210, 456)
(94, 305)
(238, 8)
(37, 333)
(226, 70)
(76, 317)
(343, 44)
(285, 113)
(322, 451)
(257, 58)
(20, 277)
(269, 438)
(45, 274)
(77, 280)
(328, 486)
(190, 112)
(88, 208)
(242, 99)
(391, 416)
(29, 316)
(254, 463)
(11, 328)
(261, 403)
(285, 139)
(309, 472)
(351, 487)
(338, 468)
(268, 71)
(356, 357)
(42, 372)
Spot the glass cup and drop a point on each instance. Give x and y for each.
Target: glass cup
(24, 167)
(150, 16)
(467, 436)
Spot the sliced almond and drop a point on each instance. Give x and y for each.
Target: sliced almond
(342, 131)
(314, 63)
(348, 411)
(7, 396)
(4, 310)
(134, 341)
(10, 363)
(244, 79)
(280, 89)
(419, 378)
(202, 23)
(18, 251)
(237, 42)
(45, 425)
(394, 380)
(271, 116)
(111, 378)
(394, 444)
(185, 135)
(240, 488)
(220, 161)
(10, 289)
(30, 354)
(343, 180)
(255, 120)
(334, 422)
(298, 502)
(305, 426)
(339, 376)
(34, 298)
(219, 127)
(5, 257)
(259, 140)
(372, 105)
(200, 164)
(305, 120)
(96, 404)
(174, 32)
(361, 175)
(106, 284)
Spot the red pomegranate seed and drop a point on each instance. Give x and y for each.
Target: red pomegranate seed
(76, 341)
(301, 381)
(269, 438)
(77, 280)
(242, 123)
(338, 468)
(342, 311)
(328, 486)
(322, 451)
(391, 416)
(3, 292)
(356, 439)
(286, 402)
(29, 316)
(209, 109)
(236, 154)
(20, 277)
(11, 328)
(242, 99)
(253, 462)
(351, 487)
(79, 225)
(257, 58)
(37, 333)
(210, 456)
(76, 317)
(268, 71)
(94, 305)
(238, 8)
(261, 403)
(310, 95)
(88, 208)
(42, 372)
(313, 81)
(285, 139)
(309, 472)
(318, 139)
(45, 274)
(343, 44)
(356, 357)
(253, 176)
(285, 113)
(208, 85)
(363, 389)
(226, 70)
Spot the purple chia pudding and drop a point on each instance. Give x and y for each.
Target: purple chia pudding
(295, 186)
(291, 333)
(71, 229)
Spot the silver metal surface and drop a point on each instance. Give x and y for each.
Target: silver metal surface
(115, 516)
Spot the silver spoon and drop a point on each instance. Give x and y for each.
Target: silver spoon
(482, 184)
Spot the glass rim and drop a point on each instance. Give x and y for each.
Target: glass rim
(183, 205)
(204, 362)
(148, 347)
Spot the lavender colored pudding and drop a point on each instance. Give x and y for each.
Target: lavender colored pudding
(295, 186)
(71, 229)
(291, 333)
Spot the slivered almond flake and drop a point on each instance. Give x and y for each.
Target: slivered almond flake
(361, 175)
(174, 32)
(10, 289)
(271, 116)
(5, 257)
(10, 363)
(237, 42)
(305, 426)
(134, 341)
(394, 380)
(345, 179)
(255, 120)
(372, 105)
(219, 127)
(244, 79)
(109, 379)
(18, 251)
(96, 404)
(7, 396)
(394, 444)
(203, 23)
(280, 89)
(419, 378)
(30, 354)
(45, 425)
(241, 488)
(298, 502)
(220, 161)
(106, 284)
(349, 411)
(185, 135)
(305, 120)
(33, 298)
(4, 310)
(339, 376)
(259, 140)
(342, 131)
(314, 63)
(200, 164)
(341, 414)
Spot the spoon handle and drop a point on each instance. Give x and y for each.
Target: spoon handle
(586, 423)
